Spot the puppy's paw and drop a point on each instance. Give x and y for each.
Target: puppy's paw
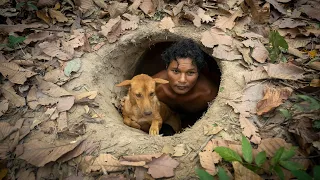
(135, 125)
(154, 131)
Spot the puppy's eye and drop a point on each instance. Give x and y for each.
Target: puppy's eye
(139, 95)
(152, 94)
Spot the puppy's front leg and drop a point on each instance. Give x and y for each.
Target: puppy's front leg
(155, 126)
(129, 122)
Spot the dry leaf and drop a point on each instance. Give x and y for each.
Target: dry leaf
(51, 89)
(101, 4)
(6, 129)
(224, 52)
(211, 129)
(117, 9)
(8, 12)
(260, 53)
(62, 121)
(204, 18)
(56, 76)
(284, 71)
(179, 150)
(134, 6)
(259, 15)
(81, 148)
(208, 159)
(167, 23)
(245, 54)
(297, 53)
(249, 130)
(53, 49)
(256, 74)
(162, 167)
(148, 7)
(215, 37)
(4, 105)
(225, 23)
(167, 149)
(39, 153)
(242, 173)
(112, 30)
(10, 94)
(57, 15)
(289, 23)
(20, 27)
(273, 97)
(48, 3)
(315, 65)
(298, 42)
(105, 162)
(34, 37)
(312, 12)
(193, 17)
(277, 6)
(177, 9)
(25, 174)
(15, 73)
(139, 158)
(89, 95)
(42, 14)
(65, 103)
(315, 83)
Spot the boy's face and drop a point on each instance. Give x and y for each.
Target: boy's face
(182, 75)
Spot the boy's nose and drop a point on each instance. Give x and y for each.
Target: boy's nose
(182, 78)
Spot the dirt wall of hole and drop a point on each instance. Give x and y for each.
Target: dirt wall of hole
(115, 62)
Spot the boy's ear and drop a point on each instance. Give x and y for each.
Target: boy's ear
(160, 81)
(124, 83)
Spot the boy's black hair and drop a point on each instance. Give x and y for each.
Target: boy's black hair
(185, 48)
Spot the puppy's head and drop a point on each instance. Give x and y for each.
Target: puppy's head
(142, 92)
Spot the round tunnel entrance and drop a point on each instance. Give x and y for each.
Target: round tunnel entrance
(151, 63)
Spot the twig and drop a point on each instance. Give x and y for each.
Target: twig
(309, 157)
(21, 49)
(202, 146)
(58, 30)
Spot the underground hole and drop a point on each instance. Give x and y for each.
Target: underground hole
(151, 63)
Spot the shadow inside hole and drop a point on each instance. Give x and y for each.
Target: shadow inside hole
(151, 63)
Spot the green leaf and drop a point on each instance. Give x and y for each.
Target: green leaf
(290, 165)
(32, 6)
(252, 167)
(285, 113)
(277, 42)
(279, 172)
(203, 175)
(260, 158)
(222, 174)
(316, 124)
(287, 154)
(72, 66)
(314, 104)
(221, 89)
(14, 40)
(316, 172)
(228, 154)
(301, 175)
(246, 149)
(275, 159)
(19, 5)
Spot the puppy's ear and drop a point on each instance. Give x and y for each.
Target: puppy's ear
(124, 83)
(160, 81)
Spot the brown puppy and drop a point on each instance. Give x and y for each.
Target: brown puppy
(142, 109)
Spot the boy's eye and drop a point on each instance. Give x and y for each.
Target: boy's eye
(152, 94)
(175, 71)
(139, 95)
(191, 73)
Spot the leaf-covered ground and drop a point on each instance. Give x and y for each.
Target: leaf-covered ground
(42, 43)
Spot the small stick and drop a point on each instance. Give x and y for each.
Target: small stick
(202, 146)
(58, 30)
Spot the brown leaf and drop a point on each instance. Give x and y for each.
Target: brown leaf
(179, 150)
(259, 15)
(25, 174)
(225, 23)
(297, 53)
(39, 153)
(260, 53)
(242, 173)
(15, 73)
(53, 49)
(208, 159)
(249, 130)
(105, 162)
(215, 37)
(48, 3)
(62, 121)
(315, 65)
(56, 76)
(65, 103)
(193, 17)
(139, 158)
(131, 24)
(250, 35)
(148, 7)
(89, 95)
(271, 145)
(81, 148)
(204, 18)
(20, 27)
(162, 167)
(42, 14)
(101, 4)
(177, 9)
(298, 42)
(313, 83)
(277, 6)
(209, 129)
(112, 30)
(245, 54)
(32, 98)
(289, 23)
(257, 74)
(312, 12)
(34, 37)
(57, 15)
(4, 105)
(117, 9)
(134, 6)
(85, 5)
(51, 89)
(166, 23)
(226, 53)
(167, 149)
(10, 94)
(6, 129)
(284, 71)
(273, 97)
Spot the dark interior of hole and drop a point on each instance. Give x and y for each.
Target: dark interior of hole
(151, 63)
